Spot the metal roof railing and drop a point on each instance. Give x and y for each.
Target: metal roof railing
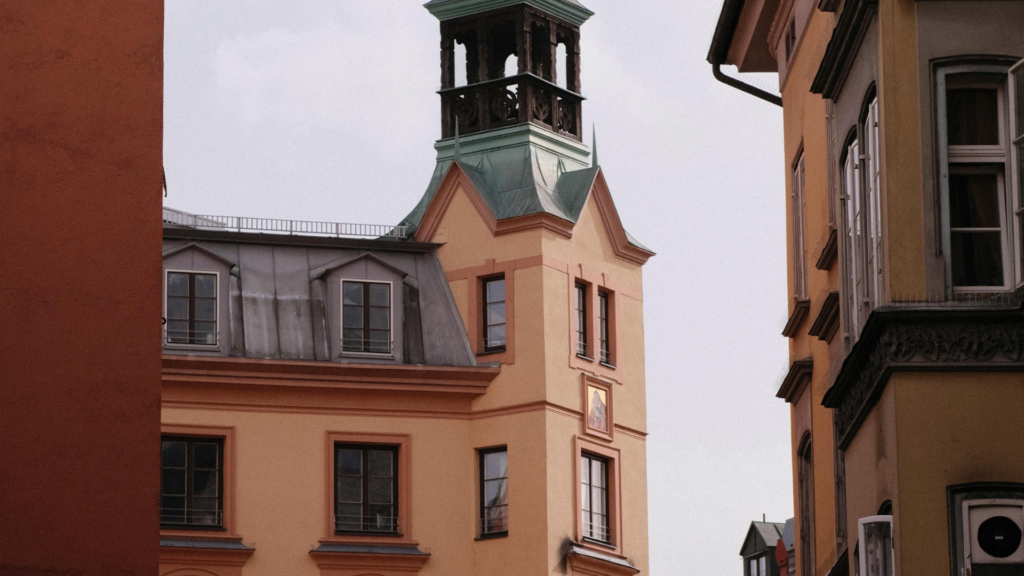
(279, 226)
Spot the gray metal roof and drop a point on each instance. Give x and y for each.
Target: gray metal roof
(760, 536)
(570, 10)
(279, 295)
(789, 535)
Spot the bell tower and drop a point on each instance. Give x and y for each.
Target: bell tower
(491, 32)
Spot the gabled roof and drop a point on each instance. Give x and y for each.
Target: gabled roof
(523, 181)
(789, 535)
(761, 536)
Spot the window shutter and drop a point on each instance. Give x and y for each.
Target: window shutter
(1017, 162)
(875, 545)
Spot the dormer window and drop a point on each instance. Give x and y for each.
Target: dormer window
(191, 308)
(366, 317)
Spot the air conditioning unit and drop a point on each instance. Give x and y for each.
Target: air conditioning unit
(993, 530)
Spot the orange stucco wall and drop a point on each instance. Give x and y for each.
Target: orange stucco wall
(81, 113)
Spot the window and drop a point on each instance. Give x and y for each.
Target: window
(875, 546)
(604, 329)
(191, 308)
(366, 317)
(494, 492)
(790, 38)
(799, 232)
(873, 205)
(594, 497)
(853, 275)
(805, 472)
(757, 566)
(191, 482)
(581, 320)
(976, 196)
(494, 315)
(365, 489)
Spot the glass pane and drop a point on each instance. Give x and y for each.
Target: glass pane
(380, 463)
(349, 517)
(495, 492)
(974, 201)
(352, 293)
(205, 511)
(597, 473)
(172, 454)
(496, 335)
(177, 284)
(972, 115)
(495, 465)
(350, 461)
(379, 491)
(977, 258)
(350, 489)
(177, 308)
(204, 455)
(172, 481)
(496, 291)
(380, 318)
(206, 333)
(597, 500)
(753, 567)
(496, 313)
(761, 566)
(204, 483)
(601, 527)
(380, 341)
(585, 498)
(352, 317)
(496, 519)
(206, 309)
(172, 510)
(177, 331)
(353, 340)
(585, 469)
(206, 285)
(380, 295)
(380, 519)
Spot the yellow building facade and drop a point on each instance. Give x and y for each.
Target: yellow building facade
(903, 134)
(460, 394)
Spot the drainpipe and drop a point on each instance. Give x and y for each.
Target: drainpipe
(740, 85)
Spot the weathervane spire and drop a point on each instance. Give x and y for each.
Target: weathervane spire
(593, 145)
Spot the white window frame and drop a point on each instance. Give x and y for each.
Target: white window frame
(798, 198)
(873, 206)
(851, 216)
(391, 318)
(994, 155)
(216, 290)
(863, 551)
(1015, 76)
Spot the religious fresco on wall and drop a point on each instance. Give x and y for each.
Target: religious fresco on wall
(597, 408)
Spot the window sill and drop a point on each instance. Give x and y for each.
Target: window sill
(491, 351)
(369, 534)
(375, 355)
(609, 366)
(492, 536)
(584, 357)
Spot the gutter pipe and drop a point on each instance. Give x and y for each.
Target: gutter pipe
(716, 69)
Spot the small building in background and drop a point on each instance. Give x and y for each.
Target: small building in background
(759, 546)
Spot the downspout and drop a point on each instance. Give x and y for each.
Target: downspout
(740, 85)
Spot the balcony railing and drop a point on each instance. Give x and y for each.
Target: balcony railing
(377, 524)
(279, 226)
(513, 100)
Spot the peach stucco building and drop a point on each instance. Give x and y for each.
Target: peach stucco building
(461, 394)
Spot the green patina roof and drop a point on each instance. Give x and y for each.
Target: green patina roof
(518, 181)
(569, 10)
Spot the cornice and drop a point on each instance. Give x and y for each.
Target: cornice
(921, 339)
(846, 40)
(471, 380)
(826, 323)
(796, 318)
(571, 12)
(796, 380)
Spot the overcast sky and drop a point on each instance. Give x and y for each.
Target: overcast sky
(326, 110)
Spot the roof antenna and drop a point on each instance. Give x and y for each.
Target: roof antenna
(458, 153)
(764, 517)
(593, 146)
